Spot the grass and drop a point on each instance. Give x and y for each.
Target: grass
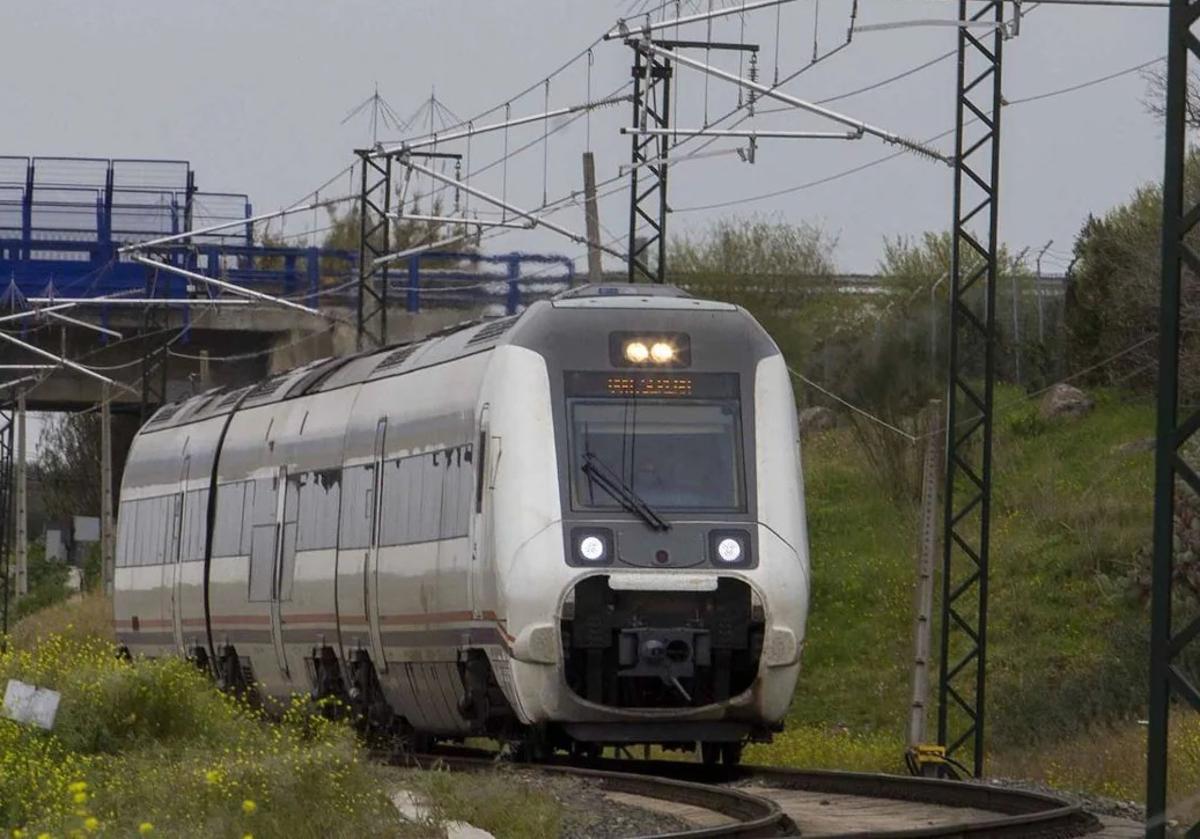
(150, 747)
(1067, 633)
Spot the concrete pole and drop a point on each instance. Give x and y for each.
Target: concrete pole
(595, 269)
(926, 563)
(107, 540)
(22, 507)
(205, 374)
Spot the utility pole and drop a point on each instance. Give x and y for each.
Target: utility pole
(107, 543)
(592, 214)
(926, 563)
(1038, 289)
(22, 546)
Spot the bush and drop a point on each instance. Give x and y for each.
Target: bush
(1025, 422)
(154, 741)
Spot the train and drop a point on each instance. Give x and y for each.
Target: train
(575, 527)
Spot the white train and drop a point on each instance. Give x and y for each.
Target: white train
(581, 525)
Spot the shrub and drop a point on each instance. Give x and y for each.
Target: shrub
(155, 742)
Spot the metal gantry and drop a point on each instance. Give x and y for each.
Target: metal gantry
(970, 388)
(648, 176)
(375, 225)
(1172, 639)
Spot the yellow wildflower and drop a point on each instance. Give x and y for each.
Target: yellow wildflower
(91, 824)
(212, 776)
(18, 833)
(79, 798)
(248, 807)
(145, 828)
(78, 786)
(43, 836)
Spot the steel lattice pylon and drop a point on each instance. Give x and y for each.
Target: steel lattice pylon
(1168, 642)
(648, 177)
(375, 225)
(970, 388)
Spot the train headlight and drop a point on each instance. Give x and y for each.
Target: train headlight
(637, 352)
(591, 546)
(730, 548)
(662, 353)
(650, 349)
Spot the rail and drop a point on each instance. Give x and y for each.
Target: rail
(747, 796)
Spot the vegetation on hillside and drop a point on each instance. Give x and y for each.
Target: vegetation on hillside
(1068, 628)
(151, 748)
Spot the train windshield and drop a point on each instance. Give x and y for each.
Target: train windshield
(675, 454)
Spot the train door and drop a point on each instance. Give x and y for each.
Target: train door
(480, 552)
(371, 572)
(176, 548)
(284, 556)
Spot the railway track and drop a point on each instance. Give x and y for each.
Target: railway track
(756, 801)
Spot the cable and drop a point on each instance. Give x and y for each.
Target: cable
(855, 170)
(1090, 83)
(855, 408)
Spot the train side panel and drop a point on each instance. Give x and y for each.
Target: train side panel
(412, 442)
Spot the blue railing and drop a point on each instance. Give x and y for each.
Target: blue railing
(62, 221)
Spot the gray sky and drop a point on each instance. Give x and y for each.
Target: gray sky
(254, 93)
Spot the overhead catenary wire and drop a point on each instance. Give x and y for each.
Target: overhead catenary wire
(880, 160)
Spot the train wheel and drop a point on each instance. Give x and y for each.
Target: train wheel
(731, 754)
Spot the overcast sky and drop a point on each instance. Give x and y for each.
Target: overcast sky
(254, 94)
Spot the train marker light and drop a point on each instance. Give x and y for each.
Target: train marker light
(637, 352)
(730, 550)
(591, 548)
(662, 352)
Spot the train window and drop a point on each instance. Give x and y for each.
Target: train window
(247, 526)
(287, 553)
(676, 455)
(358, 484)
(456, 493)
(151, 523)
(195, 525)
(412, 499)
(126, 529)
(262, 561)
(427, 496)
(320, 500)
(231, 504)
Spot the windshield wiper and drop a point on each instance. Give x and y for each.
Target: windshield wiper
(610, 482)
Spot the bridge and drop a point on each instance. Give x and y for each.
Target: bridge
(63, 222)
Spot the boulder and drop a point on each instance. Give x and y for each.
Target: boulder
(1065, 401)
(813, 420)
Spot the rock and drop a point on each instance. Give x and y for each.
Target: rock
(1065, 401)
(813, 420)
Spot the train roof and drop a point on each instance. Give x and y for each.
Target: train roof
(456, 341)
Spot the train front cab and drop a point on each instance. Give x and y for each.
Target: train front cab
(675, 609)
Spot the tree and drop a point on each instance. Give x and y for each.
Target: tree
(1156, 96)
(755, 248)
(68, 466)
(1112, 300)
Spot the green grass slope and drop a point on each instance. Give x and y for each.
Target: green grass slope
(1067, 655)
